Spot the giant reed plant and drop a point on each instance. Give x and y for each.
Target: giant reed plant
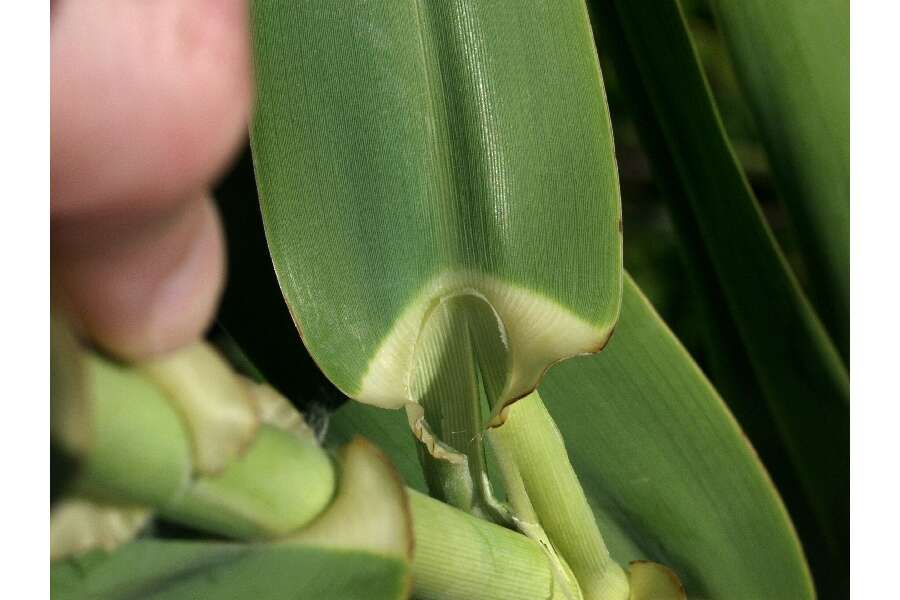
(440, 198)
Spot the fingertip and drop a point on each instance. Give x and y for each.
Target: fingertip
(151, 295)
(182, 305)
(149, 100)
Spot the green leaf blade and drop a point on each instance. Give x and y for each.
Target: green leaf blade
(408, 153)
(660, 454)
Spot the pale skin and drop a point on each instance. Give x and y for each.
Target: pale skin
(149, 103)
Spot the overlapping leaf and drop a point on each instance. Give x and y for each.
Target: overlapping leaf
(667, 470)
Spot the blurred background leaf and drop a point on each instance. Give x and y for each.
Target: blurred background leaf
(178, 570)
(764, 341)
(793, 60)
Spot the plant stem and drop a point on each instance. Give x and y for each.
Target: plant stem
(140, 453)
(138, 450)
(530, 449)
(461, 556)
(461, 359)
(459, 350)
